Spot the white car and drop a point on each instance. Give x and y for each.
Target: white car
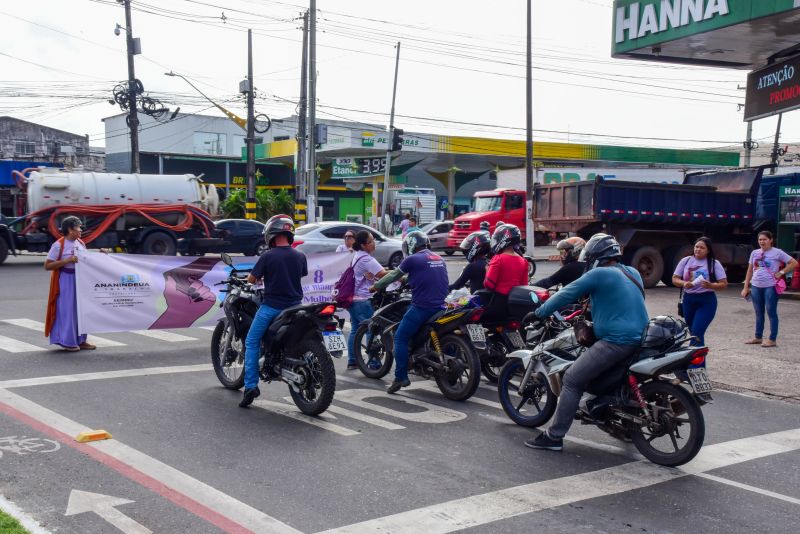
(326, 236)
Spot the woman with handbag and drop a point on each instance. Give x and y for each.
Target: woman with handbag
(699, 276)
(366, 271)
(765, 280)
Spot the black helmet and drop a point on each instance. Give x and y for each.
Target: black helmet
(664, 331)
(600, 248)
(504, 236)
(415, 241)
(475, 244)
(570, 249)
(485, 226)
(278, 224)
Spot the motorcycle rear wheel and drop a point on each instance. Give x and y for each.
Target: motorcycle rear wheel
(676, 408)
(526, 409)
(459, 386)
(374, 358)
(230, 373)
(317, 393)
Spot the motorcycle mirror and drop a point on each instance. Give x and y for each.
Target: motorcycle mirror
(226, 259)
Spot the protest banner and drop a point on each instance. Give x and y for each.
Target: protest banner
(124, 292)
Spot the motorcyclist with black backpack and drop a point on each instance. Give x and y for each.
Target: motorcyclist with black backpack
(619, 314)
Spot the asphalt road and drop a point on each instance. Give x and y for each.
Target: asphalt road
(185, 458)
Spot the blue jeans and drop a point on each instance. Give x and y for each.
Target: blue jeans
(360, 311)
(765, 297)
(252, 345)
(412, 321)
(699, 310)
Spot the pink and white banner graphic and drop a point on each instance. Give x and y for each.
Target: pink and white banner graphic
(124, 292)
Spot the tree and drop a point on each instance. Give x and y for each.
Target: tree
(268, 203)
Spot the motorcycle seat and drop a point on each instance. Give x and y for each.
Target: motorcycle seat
(436, 316)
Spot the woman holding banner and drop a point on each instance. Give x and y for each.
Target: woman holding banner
(61, 323)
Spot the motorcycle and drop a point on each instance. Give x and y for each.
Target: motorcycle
(297, 348)
(633, 401)
(504, 334)
(443, 349)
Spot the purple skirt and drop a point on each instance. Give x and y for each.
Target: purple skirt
(65, 327)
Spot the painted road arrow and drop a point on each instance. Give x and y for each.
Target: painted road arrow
(104, 505)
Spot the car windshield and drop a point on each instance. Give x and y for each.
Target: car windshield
(306, 228)
(428, 227)
(488, 203)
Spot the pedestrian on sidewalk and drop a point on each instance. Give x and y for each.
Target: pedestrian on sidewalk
(700, 276)
(366, 270)
(764, 273)
(404, 224)
(61, 322)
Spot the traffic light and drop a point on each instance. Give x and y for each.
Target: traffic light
(397, 140)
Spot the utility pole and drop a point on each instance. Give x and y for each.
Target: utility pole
(748, 145)
(133, 118)
(390, 138)
(775, 152)
(250, 203)
(529, 139)
(312, 114)
(300, 174)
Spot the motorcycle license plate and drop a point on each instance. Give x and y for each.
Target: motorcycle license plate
(476, 333)
(699, 380)
(334, 341)
(516, 339)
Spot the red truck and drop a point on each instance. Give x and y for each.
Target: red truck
(507, 205)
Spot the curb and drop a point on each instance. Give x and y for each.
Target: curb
(24, 519)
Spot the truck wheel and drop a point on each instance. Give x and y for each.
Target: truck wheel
(3, 250)
(648, 261)
(159, 244)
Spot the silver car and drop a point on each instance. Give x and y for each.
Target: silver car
(438, 232)
(326, 236)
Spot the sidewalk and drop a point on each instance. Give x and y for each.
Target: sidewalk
(734, 366)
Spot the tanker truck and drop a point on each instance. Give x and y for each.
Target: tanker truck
(136, 213)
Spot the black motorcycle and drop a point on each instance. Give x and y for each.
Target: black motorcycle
(443, 349)
(297, 348)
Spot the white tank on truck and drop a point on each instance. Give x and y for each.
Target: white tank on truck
(48, 187)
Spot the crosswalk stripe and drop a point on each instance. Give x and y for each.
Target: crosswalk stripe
(12, 345)
(39, 327)
(163, 335)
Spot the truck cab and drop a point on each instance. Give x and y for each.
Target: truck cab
(507, 205)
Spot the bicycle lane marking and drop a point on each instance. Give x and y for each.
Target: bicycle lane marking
(198, 498)
(494, 506)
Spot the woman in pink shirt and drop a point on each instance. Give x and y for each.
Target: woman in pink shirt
(763, 273)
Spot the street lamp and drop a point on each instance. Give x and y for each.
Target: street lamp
(238, 120)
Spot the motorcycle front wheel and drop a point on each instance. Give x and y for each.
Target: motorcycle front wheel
(316, 393)
(227, 355)
(373, 353)
(677, 430)
(462, 376)
(532, 405)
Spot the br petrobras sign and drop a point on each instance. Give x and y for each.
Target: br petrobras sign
(773, 89)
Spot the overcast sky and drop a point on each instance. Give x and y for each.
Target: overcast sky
(461, 61)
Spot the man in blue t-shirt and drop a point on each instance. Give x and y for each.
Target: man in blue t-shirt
(427, 276)
(281, 267)
(619, 316)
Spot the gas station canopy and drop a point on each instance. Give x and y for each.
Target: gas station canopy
(746, 34)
